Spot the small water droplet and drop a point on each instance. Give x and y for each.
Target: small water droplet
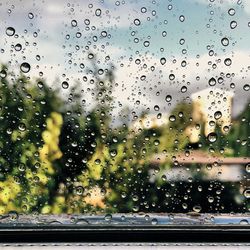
(168, 98)
(79, 190)
(248, 168)
(113, 153)
(31, 15)
(182, 18)
(108, 217)
(197, 208)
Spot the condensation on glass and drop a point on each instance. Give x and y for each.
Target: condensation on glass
(125, 111)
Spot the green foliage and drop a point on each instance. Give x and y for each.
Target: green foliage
(58, 157)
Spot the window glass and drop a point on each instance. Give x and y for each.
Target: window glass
(125, 107)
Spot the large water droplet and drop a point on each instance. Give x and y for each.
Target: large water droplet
(231, 11)
(137, 22)
(233, 24)
(246, 87)
(227, 61)
(73, 23)
(10, 31)
(212, 137)
(248, 168)
(98, 12)
(22, 127)
(217, 115)
(18, 47)
(163, 60)
(224, 41)
(25, 67)
(212, 81)
(65, 85)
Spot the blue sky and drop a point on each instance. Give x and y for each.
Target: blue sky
(206, 23)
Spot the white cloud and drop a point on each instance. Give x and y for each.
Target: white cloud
(226, 4)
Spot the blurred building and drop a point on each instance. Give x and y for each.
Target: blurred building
(211, 107)
(149, 121)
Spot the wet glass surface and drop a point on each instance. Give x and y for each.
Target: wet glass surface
(124, 112)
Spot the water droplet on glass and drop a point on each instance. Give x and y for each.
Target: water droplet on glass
(65, 85)
(137, 22)
(98, 12)
(79, 190)
(3, 73)
(212, 81)
(168, 98)
(73, 23)
(231, 11)
(108, 217)
(233, 24)
(210, 199)
(25, 67)
(217, 115)
(163, 60)
(156, 108)
(224, 41)
(197, 208)
(171, 77)
(113, 153)
(227, 61)
(246, 87)
(10, 31)
(248, 168)
(22, 127)
(183, 89)
(212, 137)
(247, 193)
(18, 47)
(146, 43)
(154, 221)
(172, 118)
(13, 215)
(31, 15)
(182, 18)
